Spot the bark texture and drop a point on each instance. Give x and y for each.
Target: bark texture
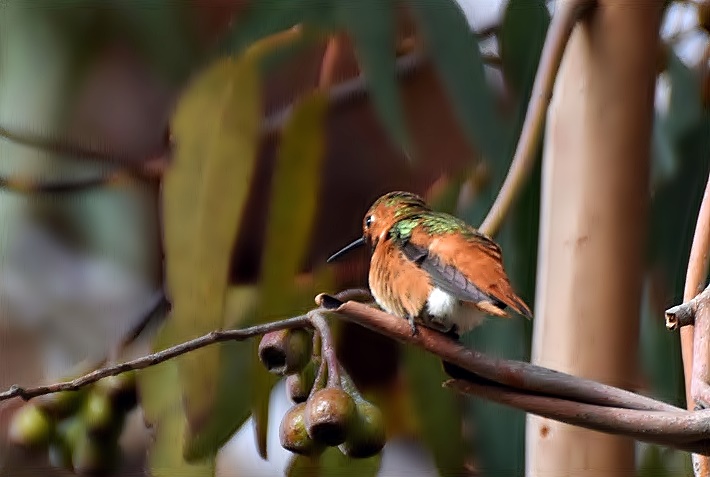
(593, 225)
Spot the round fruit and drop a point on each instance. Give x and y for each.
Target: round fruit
(293, 434)
(100, 416)
(30, 428)
(329, 414)
(367, 437)
(286, 351)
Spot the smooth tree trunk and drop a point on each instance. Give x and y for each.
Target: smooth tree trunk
(593, 225)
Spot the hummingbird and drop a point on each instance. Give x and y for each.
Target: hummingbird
(433, 268)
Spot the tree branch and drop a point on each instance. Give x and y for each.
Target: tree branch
(156, 358)
(531, 388)
(695, 346)
(684, 314)
(563, 22)
(517, 374)
(685, 430)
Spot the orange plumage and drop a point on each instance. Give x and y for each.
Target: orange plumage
(433, 268)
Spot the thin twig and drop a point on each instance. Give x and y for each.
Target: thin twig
(156, 358)
(327, 346)
(563, 22)
(684, 314)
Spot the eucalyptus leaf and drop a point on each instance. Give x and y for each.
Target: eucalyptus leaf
(371, 24)
(216, 128)
(456, 55)
(522, 37)
(294, 200)
(267, 17)
(161, 403)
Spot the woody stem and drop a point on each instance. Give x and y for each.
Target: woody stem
(327, 347)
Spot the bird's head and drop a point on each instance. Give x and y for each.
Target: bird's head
(382, 215)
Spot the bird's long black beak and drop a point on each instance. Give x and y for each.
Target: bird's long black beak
(357, 243)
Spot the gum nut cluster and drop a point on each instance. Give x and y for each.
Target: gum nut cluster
(324, 415)
(79, 429)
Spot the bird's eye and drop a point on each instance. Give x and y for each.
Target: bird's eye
(368, 221)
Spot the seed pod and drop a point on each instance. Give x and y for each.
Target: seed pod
(62, 404)
(293, 434)
(298, 386)
(30, 428)
(329, 414)
(120, 389)
(286, 351)
(367, 435)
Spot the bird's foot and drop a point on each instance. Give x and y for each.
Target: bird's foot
(413, 326)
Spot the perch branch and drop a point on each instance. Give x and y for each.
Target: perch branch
(531, 388)
(517, 374)
(563, 22)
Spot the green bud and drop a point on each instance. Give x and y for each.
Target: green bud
(101, 419)
(30, 428)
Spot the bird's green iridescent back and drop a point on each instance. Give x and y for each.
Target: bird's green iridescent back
(435, 223)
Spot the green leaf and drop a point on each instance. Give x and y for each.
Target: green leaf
(371, 24)
(332, 463)
(522, 36)
(294, 196)
(267, 17)
(294, 201)
(216, 129)
(165, 458)
(233, 401)
(161, 403)
(437, 410)
(457, 58)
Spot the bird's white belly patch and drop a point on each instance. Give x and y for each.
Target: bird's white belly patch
(446, 310)
(441, 304)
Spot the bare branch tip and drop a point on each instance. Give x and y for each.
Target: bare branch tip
(680, 316)
(328, 302)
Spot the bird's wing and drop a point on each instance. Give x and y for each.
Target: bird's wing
(467, 266)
